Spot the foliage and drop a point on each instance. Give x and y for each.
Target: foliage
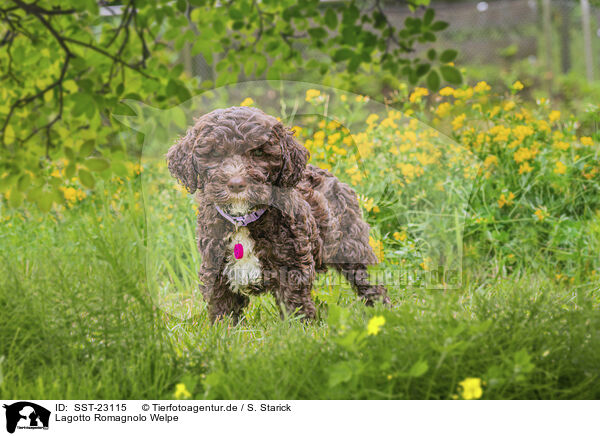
(66, 66)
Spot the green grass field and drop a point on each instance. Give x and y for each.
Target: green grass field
(78, 322)
(99, 297)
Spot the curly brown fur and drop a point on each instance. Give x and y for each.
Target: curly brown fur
(242, 159)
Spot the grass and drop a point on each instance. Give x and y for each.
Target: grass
(78, 321)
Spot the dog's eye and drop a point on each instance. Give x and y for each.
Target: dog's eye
(258, 152)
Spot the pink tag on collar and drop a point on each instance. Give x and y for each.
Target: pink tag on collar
(238, 251)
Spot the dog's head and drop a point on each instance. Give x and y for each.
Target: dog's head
(236, 157)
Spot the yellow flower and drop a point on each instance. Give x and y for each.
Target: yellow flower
(375, 324)
(562, 145)
(418, 94)
(554, 116)
(312, 94)
(541, 215)
(247, 102)
(458, 122)
(517, 86)
(443, 109)
(399, 236)
(343, 97)
(371, 119)
(586, 140)
(506, 200)
(377, 247)
(490, 160)
(560, 168)
(471, 388)
(181, 392)
(70, 194)
(509, 105)
(447, 91)
(525, 168)
(481, 87)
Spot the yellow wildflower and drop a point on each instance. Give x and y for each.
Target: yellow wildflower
(554, 116)
(371, 119)
(443, 109)
(418, 94)
(517, 86)
(506, 200)
(481, 87)
(586, 140)
(490, 160)
(560, 168)
(471, 388)
(562, 145)
(375, 324)
(181, 392)
(509, 105)
(70, 194)
(540, 214)
(399, 236)
(247, 102)
(458, 122)
(312, 94)
(525, 168)
(377, 247)
(447, 91)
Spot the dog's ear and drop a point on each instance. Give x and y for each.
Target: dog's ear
(181, 164)
(295, 157)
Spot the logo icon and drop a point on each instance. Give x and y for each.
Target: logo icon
(26, 415)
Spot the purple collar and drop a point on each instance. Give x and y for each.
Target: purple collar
(241, 220)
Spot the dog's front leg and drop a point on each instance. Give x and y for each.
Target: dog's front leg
(221, 300)
(292, 290)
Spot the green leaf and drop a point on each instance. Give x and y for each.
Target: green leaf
(87, 148)
(86, 178)
(96, 164)
(340, 373)
(422, 69)
(317, 32)
(448, 55)
(428, 17)
(439, 26)
(70, 170)
(433, 80)
(418, 369)
(15, 199)
(451, 74)
(24, 182)
(331, 19)
(44, 201)
(431, 54)
(342, 54)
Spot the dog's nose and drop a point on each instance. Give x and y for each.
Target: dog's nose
(236, 184)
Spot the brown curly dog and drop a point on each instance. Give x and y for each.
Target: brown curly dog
(267, 221)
